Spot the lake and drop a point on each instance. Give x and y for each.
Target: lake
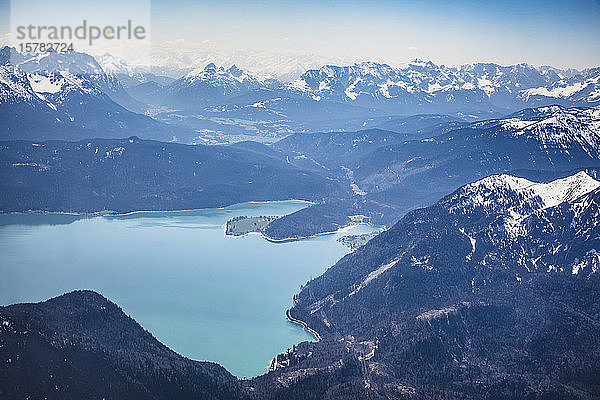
(206, 296)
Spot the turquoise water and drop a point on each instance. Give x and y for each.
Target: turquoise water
(207, 296)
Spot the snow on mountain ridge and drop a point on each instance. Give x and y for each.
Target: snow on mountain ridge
(588, 79)
(562, 127)
(14, 85)
(212, 72)
(428, 78)
(113, 65)
(61, 82)
(44, 84)
(516, 198)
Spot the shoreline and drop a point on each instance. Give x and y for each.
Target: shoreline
(240, 236)
(109, 213)
(339, 230)
(304, 325)
(112, 213)
(342, 229)
(295, 239)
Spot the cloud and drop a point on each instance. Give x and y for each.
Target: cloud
(413, 48)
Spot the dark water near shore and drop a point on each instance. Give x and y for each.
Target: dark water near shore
(207, 296)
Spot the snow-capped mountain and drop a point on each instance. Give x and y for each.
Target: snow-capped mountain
(425, 85)
(175, 59)
(514, 198)
(367, 90)
(66, 73)
(40, 75)
(14, 85)
(79, 70)
(131, 75)
(56, 96)
(578, 87)
(543, 227)
(223, 100)
(113, 65)
(453, 287)
(215, 85)
(557, 127)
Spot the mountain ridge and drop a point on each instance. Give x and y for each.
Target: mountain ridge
(132, 174)
(68, 96)
(82, 345)
(452, 305)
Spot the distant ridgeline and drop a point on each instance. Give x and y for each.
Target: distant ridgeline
(122, 175)
(489, 293)
(74, 96)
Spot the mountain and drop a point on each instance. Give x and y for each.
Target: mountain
(68, 96)
(480, 89)
(420, 87)
(129, 75)
(176, 59)
(217, 104)
(80, 345)
(334, 98)
(214, 85)
(344, 148)
(489, 293)
(579, 88)
(71, 71)
(373, 173)
(421, 125)
(390, 174)
(547, 138)
(133, 174)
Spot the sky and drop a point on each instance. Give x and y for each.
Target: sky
(560, 33)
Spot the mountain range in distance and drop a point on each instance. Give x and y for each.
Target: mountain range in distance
(354, 97)
(68, 96)
(73, 96)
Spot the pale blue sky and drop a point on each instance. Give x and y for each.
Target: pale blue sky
(561, 33)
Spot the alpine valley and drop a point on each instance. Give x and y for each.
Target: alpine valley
(479, 277)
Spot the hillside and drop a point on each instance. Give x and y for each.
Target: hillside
(133, 174)
(390, 174)
(489, 293)
(80, 345)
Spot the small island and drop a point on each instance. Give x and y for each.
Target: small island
(356, 241)
(240, 226)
